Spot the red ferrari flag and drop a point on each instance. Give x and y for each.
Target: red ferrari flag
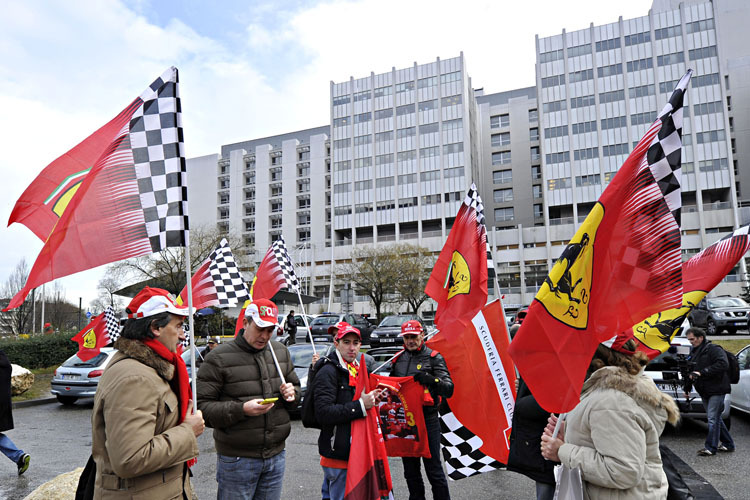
(700, 275)
(368, 476)
(97, 334)
(401, 416)
(476, 432)
(132, 202)
(458, 282)
(218, 281)
(622, 265)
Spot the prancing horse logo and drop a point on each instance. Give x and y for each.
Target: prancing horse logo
(566, 290)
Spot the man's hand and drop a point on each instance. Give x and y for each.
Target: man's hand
(253, 407)
(426, 379)
(195, 420)
(287, 391)
(315, 358)
(370, 398)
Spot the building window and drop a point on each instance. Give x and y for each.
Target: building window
(499, 121)
(361, 96)
(383, 91)
(452, 100)
(276, 222)
(303, 202)
(614, 96)
(637, 38)
(502, 139)
(642, 91)
(363, 185)
(404, 87)
(579, 50)
(249, 209)
(303, 186)
(453, 172)
(344, 99)
(561, 157)
(383, 113)
(536, 172)
(536, 191)
(612, 43)
(668, 32)
(405, 110)
(616, 122)
(384, 182)
(431, 199)
(696, 26)
(275, 174)
(553, 184)
(342, 143)
(303, 218)
(384, 136)
(277, 206)
(457, 147)
(535, 155)
(249, 225)
(501, 158)
(711, 136)
(581, 102)
(552, 132)
(223, 213)
(550, 56)
(583, 127)
(503, 214)
(432, 175)
(702, 53)
(667, 59)
(363, 117)
(276, 190)
(276, 160)
(430, 81)
(303, 235)
(553, 81)
(588, 180)
(533, 115)
(639, 64)
(403, 133)
(615, 149)
(502, 195)
(502, 176)
(534, 134)
(614, 69)
(551, 107)
(582, 76)
(538, 212)
(342, 165)
(223, 198)
(427, 105)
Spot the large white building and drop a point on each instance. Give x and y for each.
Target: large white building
(403, 146)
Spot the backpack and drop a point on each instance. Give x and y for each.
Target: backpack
(309, 420)
(734, 367)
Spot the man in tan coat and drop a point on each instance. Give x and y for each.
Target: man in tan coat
(143, 429)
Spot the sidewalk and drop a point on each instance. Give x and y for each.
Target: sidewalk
(45, 399)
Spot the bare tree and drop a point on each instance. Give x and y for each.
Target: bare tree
(62, 314)
(18, 320)
(414, 264)
(372, 273)
(166, 269)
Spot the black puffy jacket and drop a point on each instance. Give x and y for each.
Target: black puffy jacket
(335, 407)
(711, 361)
(429, 361)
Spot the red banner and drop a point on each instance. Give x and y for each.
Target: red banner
(401, 416)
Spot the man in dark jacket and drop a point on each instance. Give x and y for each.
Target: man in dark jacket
(249, 434)
(7, 446)
(529, 421)
(428, 368)
(290, 326)
(335, 406)
(711, 380)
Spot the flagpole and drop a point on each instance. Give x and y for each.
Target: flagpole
(191, 331)
(399, 353)
(330, 288)
(276, 362)
(304, 318)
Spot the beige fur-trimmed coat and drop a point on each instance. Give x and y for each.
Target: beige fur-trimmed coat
(613, 436)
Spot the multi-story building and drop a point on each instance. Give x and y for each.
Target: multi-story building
(598, 90)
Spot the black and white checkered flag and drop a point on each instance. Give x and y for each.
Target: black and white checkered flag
(230, 286)
(287, 267)
(473, 200)
(158, 149)
(112, 323)
(461, 449)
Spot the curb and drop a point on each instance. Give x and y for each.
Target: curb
(35, 402)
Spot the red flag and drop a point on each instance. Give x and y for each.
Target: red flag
(269, 278)
(132, 202)
(241, 317)
(622, 265)
(42, 204)
(368, 476)
(700, 275)
(484, 378)
(95, 335)
(458, 282)
(401, 416)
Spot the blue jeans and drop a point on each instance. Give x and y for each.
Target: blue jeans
(242, 478)
(9, 449)
(716, 428)
(432, 466)
(545, 491)
(334, 484)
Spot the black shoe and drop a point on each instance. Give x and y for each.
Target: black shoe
(706, 452)
(23, 463)
(721, 447)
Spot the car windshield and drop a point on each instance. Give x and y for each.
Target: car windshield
(326, 320)
(301, 356)
(394, 321)
(727, 302)
(75, 361)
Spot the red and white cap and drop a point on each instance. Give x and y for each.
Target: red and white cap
(153, 301)
(263, 312)
(342, 328)
(617, 343)
(411, 327)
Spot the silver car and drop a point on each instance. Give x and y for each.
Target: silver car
(741, 390)
(76, 378)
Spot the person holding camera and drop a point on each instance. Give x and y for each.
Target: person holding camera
(711, 380)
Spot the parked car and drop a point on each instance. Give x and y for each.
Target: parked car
(323, 322)
(667, 371)
(301, 355)
(381, 355)
(720, 313)
(302, 331)
(388, 329)
(76, 378)
(520, 315)
(741, 390)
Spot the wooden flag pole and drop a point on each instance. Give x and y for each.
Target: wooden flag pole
(191, 326)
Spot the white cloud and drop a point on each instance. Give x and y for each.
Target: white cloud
(66, 68)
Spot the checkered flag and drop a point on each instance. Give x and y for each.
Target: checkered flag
(461, 449)
(218, 281)
(112, 323)
(285, 263)
(156, 139)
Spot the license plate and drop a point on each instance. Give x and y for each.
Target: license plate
(69, 376)
(319, 339)
(388, 340)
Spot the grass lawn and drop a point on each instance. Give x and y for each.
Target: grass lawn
(734, 345)
(41, 385)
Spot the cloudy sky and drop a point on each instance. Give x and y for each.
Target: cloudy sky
(248, 69)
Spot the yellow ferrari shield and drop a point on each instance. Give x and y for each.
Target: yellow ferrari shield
(89, 339)
(458, 280)
(566, 291)
(658, 330)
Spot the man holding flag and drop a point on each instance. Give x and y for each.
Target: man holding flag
(428, 368)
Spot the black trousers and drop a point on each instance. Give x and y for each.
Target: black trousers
(432, 466)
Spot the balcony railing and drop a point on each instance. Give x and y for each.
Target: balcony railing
(561, 221)
(719, 205)
(430, 234)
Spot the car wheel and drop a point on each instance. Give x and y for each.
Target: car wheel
(710, 327)
(67, 400)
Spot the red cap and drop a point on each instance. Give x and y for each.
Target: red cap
(411, 327)
(617, 343)
(343, 328)
(152, 301)
(47, 325)
(263, 312)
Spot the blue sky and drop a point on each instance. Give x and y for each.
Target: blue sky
(248, 69)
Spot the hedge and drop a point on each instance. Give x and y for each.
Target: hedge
(39, 351)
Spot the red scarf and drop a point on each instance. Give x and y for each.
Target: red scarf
(180, 383)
